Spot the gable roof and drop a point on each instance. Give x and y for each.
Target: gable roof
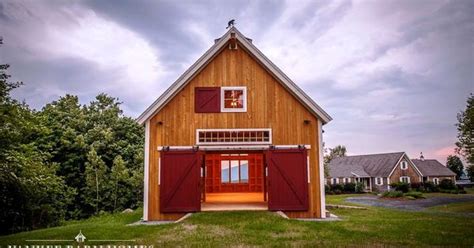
(189, 74)
(432, 167)
(373, 165)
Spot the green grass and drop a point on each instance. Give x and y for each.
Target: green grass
(374, 226)
(460, 207)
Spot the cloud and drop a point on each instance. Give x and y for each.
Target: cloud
(121, 58)
(393, 74)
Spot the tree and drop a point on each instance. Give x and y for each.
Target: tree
(470, 172)
(454, 163)
(337, 151)
(118, 177)
(95, 177)
(465, 126)
(31, 194)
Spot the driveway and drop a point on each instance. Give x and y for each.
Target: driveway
(411, 205)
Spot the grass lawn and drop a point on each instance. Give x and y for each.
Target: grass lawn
(461, 207)
(374, 226)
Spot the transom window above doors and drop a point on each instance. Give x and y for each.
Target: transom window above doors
(233, 136)
(220, 99)
(234, 171)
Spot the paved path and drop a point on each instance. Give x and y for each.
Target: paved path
(411, 205)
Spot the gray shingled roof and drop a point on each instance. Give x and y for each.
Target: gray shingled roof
(431, 167)
(374, 165)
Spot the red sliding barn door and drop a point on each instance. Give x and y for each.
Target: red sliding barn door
(180, 174)
(287, 179)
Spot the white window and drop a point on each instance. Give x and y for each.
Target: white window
(233, 99)
(436, 180)
(405, 179)
(335, 180)
(379, 181)
(403, 165)
(233, 136)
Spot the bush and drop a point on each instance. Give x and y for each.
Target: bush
(359, 187)
(338, 187)
(401, 186)
(417, 186)
(415, 194)
(349, 188)
(392, 194)
(447, 184)
(430, 187)
(327, 189)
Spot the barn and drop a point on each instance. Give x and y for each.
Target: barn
(233, 131)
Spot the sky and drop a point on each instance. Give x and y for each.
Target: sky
(392, 74)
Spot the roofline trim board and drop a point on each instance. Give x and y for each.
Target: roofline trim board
(187, 76)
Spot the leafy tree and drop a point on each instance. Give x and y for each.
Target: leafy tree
(95, 178)
(118, 177)
(337, 151)
(465, 126)
(454, 163)
(31, 194)
(470, 172)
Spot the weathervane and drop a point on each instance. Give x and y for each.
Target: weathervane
(231, 23)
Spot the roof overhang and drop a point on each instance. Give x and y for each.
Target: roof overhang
(189, 74)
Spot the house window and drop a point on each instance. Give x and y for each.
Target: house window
(379, 181)
(233, 136)
(233, 99)
(436, 180)
(404, 165)
(405, 179)
(234, 171)
(334, 180)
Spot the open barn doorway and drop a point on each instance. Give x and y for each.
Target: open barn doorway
(233, 181)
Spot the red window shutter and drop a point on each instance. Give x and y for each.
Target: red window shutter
(207, 99)
(179, 181)
(287, 180)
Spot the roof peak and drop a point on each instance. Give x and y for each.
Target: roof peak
(232, 33)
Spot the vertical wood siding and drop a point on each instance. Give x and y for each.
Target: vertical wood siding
(269, 105)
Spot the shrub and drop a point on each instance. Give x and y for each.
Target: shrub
(415, 194)
(401, 186)
(447, 184)
(392, 194)
(359, 187)
(430, 187)
(327, 189)
(417, 186)
(338, 187)
(349, 188)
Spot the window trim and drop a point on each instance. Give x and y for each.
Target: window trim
(239, 171)
(408, 179)
(436, 181)
(269, 142)
(404, 165)
(381, 181)
(234, 110)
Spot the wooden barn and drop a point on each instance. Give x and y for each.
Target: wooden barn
(233, 131)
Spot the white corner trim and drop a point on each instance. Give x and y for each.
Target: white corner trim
(209, 54)
(231, 110)
(321, 170)
(146, 170)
